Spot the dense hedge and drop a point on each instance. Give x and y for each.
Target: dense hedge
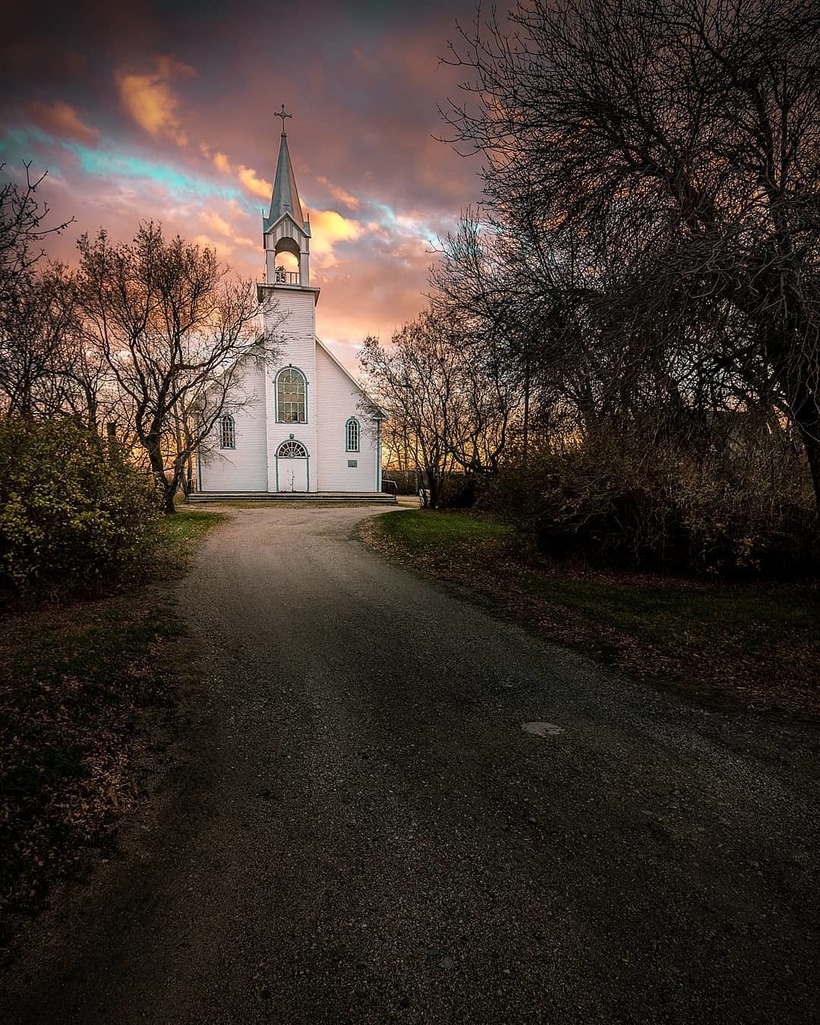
(71, 513)
(741, 509)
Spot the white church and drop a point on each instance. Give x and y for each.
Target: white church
(304, 429)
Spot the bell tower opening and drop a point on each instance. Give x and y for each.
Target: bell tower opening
(286, 256)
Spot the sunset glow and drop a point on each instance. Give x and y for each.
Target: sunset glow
(165, 111)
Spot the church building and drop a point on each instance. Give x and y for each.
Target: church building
(303, 426)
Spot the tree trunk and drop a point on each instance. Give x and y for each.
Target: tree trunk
(168, 488)
(797, 383)
(169, 492)
(809, 430)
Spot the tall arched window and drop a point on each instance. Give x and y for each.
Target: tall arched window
(291, 407)
(227, 432)
(353, 433)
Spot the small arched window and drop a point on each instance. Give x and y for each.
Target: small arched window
(353, 434)
(291, 407)
(227, 432)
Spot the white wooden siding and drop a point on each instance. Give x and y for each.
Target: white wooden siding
(339, 401)
(332, 398)
(243, 468)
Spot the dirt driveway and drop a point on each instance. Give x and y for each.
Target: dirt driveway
(359, 828)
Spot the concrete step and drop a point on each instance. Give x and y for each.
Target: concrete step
(285, 497)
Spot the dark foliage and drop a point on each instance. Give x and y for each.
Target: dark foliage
(72, 514)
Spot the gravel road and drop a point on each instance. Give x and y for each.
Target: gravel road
(356, 827)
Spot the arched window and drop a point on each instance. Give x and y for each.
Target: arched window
(227, 432)
(292, 450)
(291, 407)
(353, 434)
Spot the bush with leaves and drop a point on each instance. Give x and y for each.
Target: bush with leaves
(72, 514)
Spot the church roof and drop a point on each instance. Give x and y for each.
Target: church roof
(285, 198)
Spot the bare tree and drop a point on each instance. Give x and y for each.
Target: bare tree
(38, 317)
(36, 309)
(447, 401)
(22, 228)
(176, 332)
(685, 135)
(412, 387)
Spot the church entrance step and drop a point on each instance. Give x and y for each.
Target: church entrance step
(285, 497)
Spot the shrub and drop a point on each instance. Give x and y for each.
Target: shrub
(406, 481)
(738, 508)
(71, 513)
(458, 491)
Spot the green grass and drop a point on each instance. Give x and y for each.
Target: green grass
(182, 533)
(423, 528)
(294, 504)
(665, 613)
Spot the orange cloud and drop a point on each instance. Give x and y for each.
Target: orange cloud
(63, 121)
(248, 178)
(224, 250)
(255, 185)
(150, 101)
(328, 228)
(217, 223)
(221, 163)
(340, 194)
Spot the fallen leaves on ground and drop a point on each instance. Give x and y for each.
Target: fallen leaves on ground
(79, 688)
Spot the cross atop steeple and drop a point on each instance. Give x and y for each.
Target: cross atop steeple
(281, 113)
(285, 198)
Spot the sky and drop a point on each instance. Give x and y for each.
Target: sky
(141, 109)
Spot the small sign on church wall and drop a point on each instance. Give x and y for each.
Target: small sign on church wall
(353, 462)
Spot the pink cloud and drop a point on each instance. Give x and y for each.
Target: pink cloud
(339, 194)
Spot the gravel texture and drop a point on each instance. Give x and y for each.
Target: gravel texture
(389, 807)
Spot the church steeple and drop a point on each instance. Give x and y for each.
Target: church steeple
(285, 229)
(285, 198)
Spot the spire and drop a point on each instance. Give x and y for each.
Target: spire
(285, 198)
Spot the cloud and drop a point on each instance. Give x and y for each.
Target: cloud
(150, 101)
(221, 163)
(255, 185)
(340, 194)
(248, 178)
(224, 250)
(217, 223)
(220, 225)
(62, 121)
(328, 228)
